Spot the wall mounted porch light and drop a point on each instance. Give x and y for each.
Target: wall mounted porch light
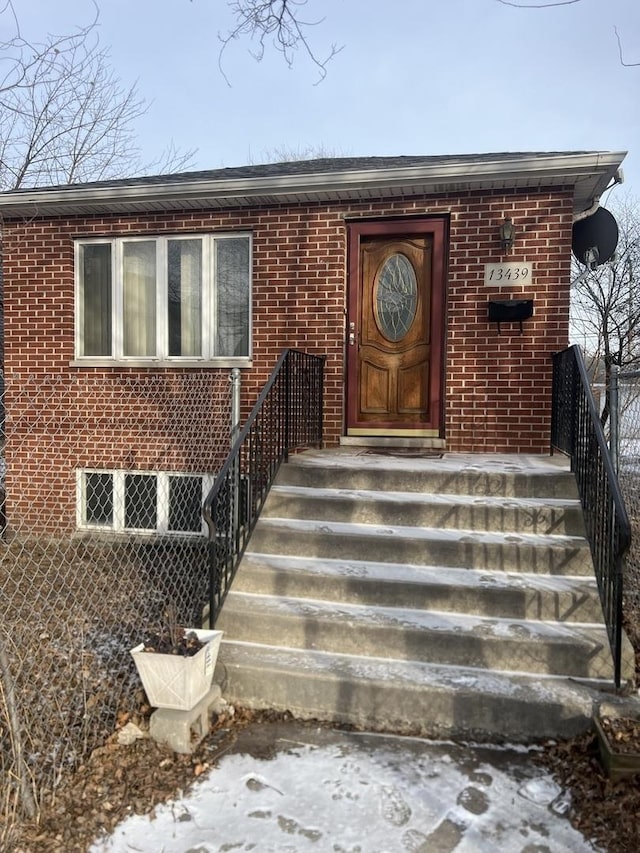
(507, 234)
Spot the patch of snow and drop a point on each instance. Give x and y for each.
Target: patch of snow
(451, 576)
(425, 620)
(542, 791)
(361, 794)
(425, 534)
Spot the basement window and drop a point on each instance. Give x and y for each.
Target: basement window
(141, 502)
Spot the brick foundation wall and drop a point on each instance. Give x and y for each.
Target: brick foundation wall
(496, 386)
(114, 420)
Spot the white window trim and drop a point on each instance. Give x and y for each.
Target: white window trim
(209, 299)
(162, 502)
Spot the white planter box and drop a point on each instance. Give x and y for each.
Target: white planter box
(174, 681)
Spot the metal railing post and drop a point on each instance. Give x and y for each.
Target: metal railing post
(287, 405)
(271, 430)
(235, 429)
(234, 378)
(614, 414)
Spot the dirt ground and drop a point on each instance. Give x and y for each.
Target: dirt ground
(118, 781)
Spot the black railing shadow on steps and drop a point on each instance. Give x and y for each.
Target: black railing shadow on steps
(287, 416)
(576, 430)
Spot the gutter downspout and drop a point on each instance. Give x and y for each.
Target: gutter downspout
(588, 212)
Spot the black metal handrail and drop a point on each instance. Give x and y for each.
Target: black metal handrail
(287, 415)
(577, 431)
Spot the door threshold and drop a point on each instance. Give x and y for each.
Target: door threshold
(393, 441)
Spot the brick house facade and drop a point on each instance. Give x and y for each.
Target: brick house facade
(310, 227)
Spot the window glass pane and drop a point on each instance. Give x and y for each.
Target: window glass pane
(185, 504)
(95, 299)
(140, 501)
(232, 292)
(99, 499)
(396, 295)
(185, 297)
(139, 296)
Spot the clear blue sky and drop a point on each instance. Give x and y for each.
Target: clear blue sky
(413, 77)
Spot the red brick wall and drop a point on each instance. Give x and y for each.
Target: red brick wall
(498, 390)
(497, 387)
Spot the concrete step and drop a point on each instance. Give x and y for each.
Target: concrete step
(513, 552)
(408, 697)
(461, 474)
(574, 650)
(448, 597)
(561, 598)
(446, 511)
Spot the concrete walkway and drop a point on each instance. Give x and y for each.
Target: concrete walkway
(294, 787)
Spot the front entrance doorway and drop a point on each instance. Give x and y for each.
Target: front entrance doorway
(395, 328)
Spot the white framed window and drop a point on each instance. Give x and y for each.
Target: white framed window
(173, 298)
(141, 501)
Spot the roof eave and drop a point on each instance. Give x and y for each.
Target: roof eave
(589, 173)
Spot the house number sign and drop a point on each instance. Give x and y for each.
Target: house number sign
(501, 275)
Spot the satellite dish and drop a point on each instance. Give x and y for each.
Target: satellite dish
(595, 238)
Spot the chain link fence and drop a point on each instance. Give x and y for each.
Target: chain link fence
(101, 534)
(628, 440)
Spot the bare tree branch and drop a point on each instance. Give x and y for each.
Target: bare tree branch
(567, 3)
(19, 57)
(605, 311)
(622, 62)
(290, 154)
(538, 5)
(65, 117)
(277, 22)
(8, 696)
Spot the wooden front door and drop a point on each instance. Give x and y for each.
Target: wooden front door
(395, 328)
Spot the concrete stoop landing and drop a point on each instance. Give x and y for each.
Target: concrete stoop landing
(448, 596)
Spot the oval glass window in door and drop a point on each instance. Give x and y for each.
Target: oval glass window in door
(396, 297)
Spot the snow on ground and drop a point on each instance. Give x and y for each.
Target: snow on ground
(320, 790)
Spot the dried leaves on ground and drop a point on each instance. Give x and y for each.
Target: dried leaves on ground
(606, 812)
(120, 780)
(623, 734)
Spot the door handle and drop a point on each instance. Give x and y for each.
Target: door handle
(352, 334)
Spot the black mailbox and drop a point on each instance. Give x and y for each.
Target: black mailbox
(510, 311)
